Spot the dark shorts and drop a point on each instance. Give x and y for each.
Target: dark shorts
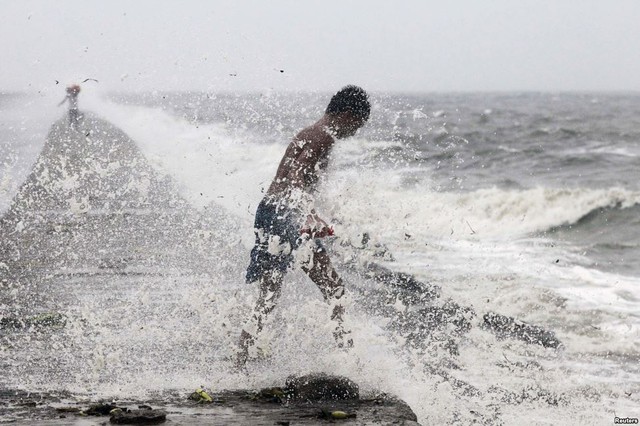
(277, 230)
(277, 235)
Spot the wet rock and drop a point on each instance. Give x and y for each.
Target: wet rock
(138, 417)
(48, 319)
(507, 327)
(200, 396)
(275, 395)
(401, 410)
(316, 387)
(101, 409)
(425, 320)
(407, 286)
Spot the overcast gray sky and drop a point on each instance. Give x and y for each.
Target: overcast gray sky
(320, 45)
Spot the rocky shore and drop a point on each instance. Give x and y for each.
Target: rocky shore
(315, 399)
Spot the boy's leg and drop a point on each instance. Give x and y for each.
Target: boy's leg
(73, 118)
(330, 284)
(270, 290)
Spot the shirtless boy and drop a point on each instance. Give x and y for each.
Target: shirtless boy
(284, 218)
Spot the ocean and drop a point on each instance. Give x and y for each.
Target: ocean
(524, 204)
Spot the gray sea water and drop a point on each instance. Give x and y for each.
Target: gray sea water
(524, 204)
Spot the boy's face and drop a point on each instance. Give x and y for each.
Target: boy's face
(348, 125)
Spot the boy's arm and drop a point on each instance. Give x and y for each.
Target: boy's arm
(306, 163)
(316, 227)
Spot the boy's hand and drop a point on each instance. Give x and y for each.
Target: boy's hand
(316, 227)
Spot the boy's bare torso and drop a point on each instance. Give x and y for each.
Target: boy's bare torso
(305, 157)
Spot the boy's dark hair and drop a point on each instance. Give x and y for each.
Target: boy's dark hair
(351, 99)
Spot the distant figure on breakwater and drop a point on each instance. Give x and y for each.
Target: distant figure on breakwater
(72, 97)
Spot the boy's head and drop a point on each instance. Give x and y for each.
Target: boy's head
(74, 89)
(350, 109)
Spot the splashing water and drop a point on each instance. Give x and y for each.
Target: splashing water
(153, 298)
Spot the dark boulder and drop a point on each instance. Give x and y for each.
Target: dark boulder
(101, 409)
(318, 387)
(507, 327)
